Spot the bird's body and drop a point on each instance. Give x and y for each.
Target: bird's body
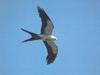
(46, 36)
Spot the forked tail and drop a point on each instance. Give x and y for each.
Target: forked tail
(34, 36)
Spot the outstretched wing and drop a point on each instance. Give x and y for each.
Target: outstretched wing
(52, 50)
(47, 25)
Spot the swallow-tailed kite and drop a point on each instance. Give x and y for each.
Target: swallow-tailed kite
(45, 35)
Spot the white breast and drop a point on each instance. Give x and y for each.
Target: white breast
(53, 37)
(48, 37)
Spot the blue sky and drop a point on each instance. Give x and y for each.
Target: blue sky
(77, 27)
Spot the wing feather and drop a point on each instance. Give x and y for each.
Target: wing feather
(52, 51)
(47, 25)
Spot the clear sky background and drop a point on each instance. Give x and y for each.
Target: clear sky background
(77, 27)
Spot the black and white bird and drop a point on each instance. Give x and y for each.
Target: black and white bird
(45, 35)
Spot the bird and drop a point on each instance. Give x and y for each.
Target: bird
(45, 35)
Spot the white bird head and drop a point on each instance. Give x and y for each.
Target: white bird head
(53, 37)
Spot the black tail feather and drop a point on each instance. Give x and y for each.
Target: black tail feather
(33, 36)
(26, 31)
(30, 39)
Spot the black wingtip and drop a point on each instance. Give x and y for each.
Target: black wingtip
(50, 59)
(39, 8)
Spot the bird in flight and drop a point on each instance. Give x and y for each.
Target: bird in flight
(45, 35)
